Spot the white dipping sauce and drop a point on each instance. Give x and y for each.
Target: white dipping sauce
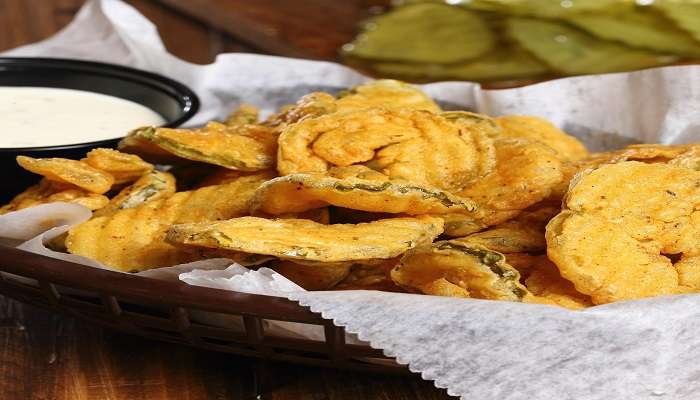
(36, 117)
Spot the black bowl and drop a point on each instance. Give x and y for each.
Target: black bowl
(171, 99)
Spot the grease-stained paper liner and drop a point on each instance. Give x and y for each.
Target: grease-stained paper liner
(646, 349)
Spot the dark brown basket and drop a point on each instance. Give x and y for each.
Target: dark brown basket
(162, 310)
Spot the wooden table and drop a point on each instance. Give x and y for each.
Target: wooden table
(44, 356)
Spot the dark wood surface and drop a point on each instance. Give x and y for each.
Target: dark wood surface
(45, 356)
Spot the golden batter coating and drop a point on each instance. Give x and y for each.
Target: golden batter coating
(299, 239)
(622, 227)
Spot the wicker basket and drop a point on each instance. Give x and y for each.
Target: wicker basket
(163, 310)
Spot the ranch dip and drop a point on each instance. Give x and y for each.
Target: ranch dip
(37, 117)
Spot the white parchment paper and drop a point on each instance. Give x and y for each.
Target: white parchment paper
(484, 350)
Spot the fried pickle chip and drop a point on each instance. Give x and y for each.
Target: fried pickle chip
(448, 155)
(452, 268)
(385, 93)
(685, 155)
(416, 146)
(526, 173)
(153, 186)
(73, 172)
(509, 237)
(302, 192)
(484, 124)
(688, 159)
(688, 268)
(246, 148)
(48, 191)
(134, 239)
(125, 168)
(621, 228)
(298, 239)
(363, 131)
(568, 148)
(460, 225)
(544, 281)
(523, 234)
(319, 276)
(651, 153)
(221, 176)
(309, 106)
(135, 143)
(245, 114)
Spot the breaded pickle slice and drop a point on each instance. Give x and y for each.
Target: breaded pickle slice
(48, 192)
(317, 144)
(485, 125)
(133, 239)
(447, 154)
(546, 283)
(684, 155)
(451, 268)
(301, 192)
(526, 173)
(622, 228)
(125, 168)
(386, 93)
(412, 145)
(426, 32)
(153, 186)
(309, 106)
(221, 176)
(298, 239)
(568, 148)
(509, 238)
(247, 148)
(73, 172)
(135, 143)
(244, 114)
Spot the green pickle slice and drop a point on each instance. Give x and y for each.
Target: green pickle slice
(546, 8)
(425, 32)
(685, 14)
(497, 65)
(639, 27)
(574, 52)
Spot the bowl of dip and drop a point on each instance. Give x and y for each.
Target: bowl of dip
(64, 108)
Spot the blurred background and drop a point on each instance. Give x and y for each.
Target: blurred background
(198, 30)
(497, 42)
